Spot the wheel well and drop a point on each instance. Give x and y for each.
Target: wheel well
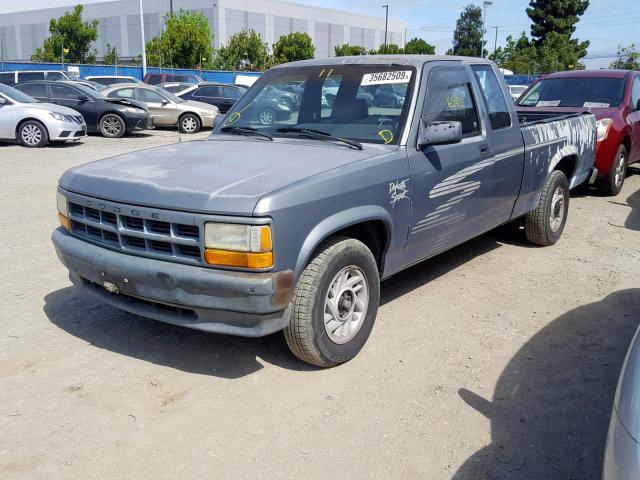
(189, 113)
(567, 166)
(626, 141)
(32, 120)
(372, 233)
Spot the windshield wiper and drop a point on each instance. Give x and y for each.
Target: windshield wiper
(246, 131)
(320, 135)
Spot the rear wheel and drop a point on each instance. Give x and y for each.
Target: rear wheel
(266, 116)
(32, 134)
(190, 123)
(334, 304)
(544, 225)
(612, 183)
(112, 126)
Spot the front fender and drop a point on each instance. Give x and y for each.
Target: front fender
(337, 222)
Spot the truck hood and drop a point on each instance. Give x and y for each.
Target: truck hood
(225, 174)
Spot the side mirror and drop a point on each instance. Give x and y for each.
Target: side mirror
(2, 101)
(83, 98)
(439, 133)
(164, 101)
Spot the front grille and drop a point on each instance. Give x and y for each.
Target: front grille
(78, 118)
(154, 238)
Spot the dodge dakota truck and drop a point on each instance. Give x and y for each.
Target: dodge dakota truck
(291, 224)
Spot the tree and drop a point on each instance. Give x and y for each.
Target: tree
(111, 56)
(419, 46)
(244, 51)
(69, 32)
(389, 48)
(467, 37)
(559, 17)
(185, 41)
(628, 58)
(347, 50)
(292, 47)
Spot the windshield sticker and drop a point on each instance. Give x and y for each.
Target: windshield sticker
(386, 136)
(596, 105)
(398, 190)
(455, 102)
(548, 103)
(383, 78)
(235, 116)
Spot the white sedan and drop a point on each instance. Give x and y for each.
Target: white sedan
(34, 123)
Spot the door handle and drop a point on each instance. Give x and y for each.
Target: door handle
(484, 149)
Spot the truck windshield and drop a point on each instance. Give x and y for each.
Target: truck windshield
(365, 103)
(575, 92)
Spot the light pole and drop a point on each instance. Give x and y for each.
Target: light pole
(495, 44)
(386, 24)
(485, 4)
(144, 53)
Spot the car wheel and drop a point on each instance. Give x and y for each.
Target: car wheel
(544, 225)
(612, 183)
(334, 304)
(32, 134)
(266, 116)
(190, 123)
(112, 126)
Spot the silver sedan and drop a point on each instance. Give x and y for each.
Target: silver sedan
(34, 123)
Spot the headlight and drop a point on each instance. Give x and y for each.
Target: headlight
(63, 211)
(133, 110)
(603, 127)
(237, 245)
(61, 117)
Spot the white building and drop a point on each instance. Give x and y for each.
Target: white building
(119, 24)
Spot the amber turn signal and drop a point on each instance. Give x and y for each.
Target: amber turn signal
(228, 258)
(64, 221)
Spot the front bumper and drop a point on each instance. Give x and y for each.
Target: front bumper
(138, 121)
(59, 130)
(622, 453)
(207, 120)
(235, 303)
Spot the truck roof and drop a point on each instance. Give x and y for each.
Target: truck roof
(412, 60)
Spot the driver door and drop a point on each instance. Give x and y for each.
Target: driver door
(634, 120)
(7, 129)
(162, 111)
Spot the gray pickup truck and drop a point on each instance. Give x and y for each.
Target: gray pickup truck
(289, 218)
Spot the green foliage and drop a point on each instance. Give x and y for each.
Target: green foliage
(111, 56)
(419, 46)
(292, 47)
(389, 48)
(467, 37)
(347, 50)
(559, 17)
(75, 35)
(245, 51)
(628, 58)
(185, 42)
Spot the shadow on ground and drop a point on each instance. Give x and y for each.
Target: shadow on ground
(633, 220)
(550, 409)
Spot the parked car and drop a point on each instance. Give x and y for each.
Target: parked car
(221, 95)
(613, 96)
(110, 117)
(108, 80)
(517, 90)
(166, 108)
(156, 78)
(176, 87)
(292, 225)
(13, 78)
(33, 123)
(87, 83)
(622, 451)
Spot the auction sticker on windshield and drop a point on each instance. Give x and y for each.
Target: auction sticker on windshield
(380, 78)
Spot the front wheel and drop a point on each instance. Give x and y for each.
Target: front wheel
(266, 116)
(112, 126)
(612, 183)
(544, 225)
(32, 134)
(190, 123)
(334, 304)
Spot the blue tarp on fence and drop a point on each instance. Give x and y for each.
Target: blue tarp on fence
(130, 71)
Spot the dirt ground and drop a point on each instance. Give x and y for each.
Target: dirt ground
(496, 360)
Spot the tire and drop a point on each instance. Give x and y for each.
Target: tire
(189, 123)
(307, 337)
(112, 125)
(612, 183)
(544, 225)
(32, 134)
(266, 116)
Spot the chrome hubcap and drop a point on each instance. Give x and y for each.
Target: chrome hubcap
(111, 126)
(619, 174)
(345, 305)
(31, 134)
(557, 209)
(189, 124)
(266, 117)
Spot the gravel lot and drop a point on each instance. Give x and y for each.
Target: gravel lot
(494, 360)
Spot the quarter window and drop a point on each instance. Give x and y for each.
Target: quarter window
(635, 94)
(124, 93)
(26, 76)
(450, 99)
(499, 114)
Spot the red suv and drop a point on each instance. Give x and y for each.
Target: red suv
(614, 98)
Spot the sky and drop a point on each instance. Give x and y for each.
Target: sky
(606, 24)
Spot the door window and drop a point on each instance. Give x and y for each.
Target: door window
(7, 78)
(230, 92)
(450, 99)
(64, 92)
(635, 93)
(149, 96)
(37, 90)
(208, 92)
(26, 76)
(499, 114)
